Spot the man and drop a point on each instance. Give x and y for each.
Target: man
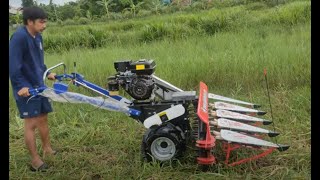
(26, 69)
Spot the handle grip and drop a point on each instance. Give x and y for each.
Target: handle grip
(59, 77)
(36, 91)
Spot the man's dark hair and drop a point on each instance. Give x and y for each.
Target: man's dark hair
(33, 13)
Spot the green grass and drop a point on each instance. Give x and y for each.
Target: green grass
(97, 143)
(226, 60)
(174, 26)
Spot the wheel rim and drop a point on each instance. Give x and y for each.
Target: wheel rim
(163, 148)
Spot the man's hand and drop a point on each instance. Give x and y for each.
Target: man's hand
(51, 76)
(24, 92)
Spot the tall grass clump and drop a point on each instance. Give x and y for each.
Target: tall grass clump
(293, 13)
(159, 31)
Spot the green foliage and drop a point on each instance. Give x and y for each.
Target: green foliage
(272, 3)
(144, 13)
(84, 20)
(88, 15)
(27, 3)
(97, 38)
(293, 13)
(15, 19)
(159, 31)
(116, 16)
(212, 25)
(76, 18)
(105, 18)
(106, 4)
(70, 22)
(66, 12)
(59, 22)
(256, 6)
(127, 14)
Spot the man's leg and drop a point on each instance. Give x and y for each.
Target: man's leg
(32, 112)
(42, 125)
(30, 125)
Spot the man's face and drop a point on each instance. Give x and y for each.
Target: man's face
(38, 25)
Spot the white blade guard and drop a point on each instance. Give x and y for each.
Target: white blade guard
(226, 99)
(240, 138)
(223, 123)
(164, 116)
(235, 108)
(238, 116)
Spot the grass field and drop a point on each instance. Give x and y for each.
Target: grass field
(99, 144)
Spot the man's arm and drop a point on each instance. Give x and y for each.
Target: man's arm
(16, 48)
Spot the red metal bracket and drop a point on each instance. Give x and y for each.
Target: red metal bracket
(231, 147)
(209, 141)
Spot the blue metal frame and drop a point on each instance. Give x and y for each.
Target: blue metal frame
(78, 80)
(34, 92)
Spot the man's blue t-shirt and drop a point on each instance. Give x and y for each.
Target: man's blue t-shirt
(26, 60)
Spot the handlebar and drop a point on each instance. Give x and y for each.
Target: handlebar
(53, 67)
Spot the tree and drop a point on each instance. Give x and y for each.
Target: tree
(89, 15)
(27, 3)
(95, 9)
(15, 19)
(18, 18)
(35, 2)
(84, 8)
(55, 12)
(106, 4)
(67, 12)
(134, 7)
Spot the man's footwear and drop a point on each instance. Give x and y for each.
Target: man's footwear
(41, 168)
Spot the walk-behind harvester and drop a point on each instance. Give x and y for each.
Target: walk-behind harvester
(172, 117)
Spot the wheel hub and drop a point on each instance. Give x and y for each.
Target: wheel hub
(163, 148)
